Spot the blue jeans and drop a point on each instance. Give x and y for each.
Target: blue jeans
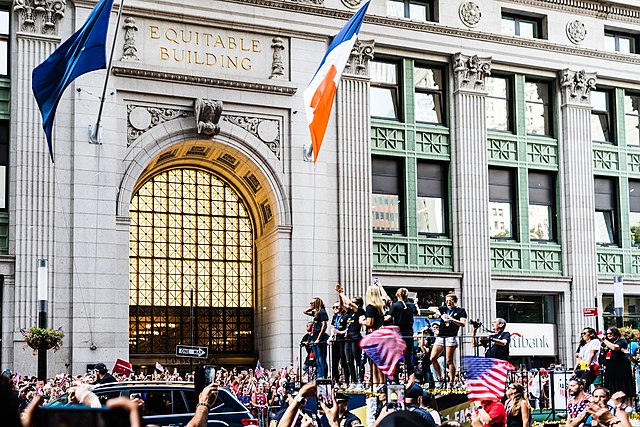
(320, 353)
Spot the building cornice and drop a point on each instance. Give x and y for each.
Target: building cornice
(282, 88)
(596, 9)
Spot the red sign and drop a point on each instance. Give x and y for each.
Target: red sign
(590, 311)
(123, 367)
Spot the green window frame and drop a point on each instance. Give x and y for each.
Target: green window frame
(521, 26)
(606, 212)
(387, 176)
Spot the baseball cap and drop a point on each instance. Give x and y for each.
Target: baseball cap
(101, 367)
(414, 391)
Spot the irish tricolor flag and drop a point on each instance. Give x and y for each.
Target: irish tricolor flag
(319, 95)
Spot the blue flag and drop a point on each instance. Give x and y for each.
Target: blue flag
(81, 53)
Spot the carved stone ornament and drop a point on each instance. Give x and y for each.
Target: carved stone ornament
(359, 58)
(140, 119)
(277, 66)
(352, 3)
(267, 130)
(39, 16)
(208, 114)
(470, 14)
(576, 31)
(470, 72)
(577, 86)
(129, 48)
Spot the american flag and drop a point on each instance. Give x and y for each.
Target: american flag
(259, 371)
(384, 347)
(485, 377)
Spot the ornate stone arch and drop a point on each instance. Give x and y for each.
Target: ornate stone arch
(237, 154)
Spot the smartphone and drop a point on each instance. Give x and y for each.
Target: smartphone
(395, 396)
(324, 389)
(80, 415)
(209, 374)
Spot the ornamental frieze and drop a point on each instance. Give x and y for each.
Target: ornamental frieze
(143, 118)
(39, 16)
(267, 130)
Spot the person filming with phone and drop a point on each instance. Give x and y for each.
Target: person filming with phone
(497, 344)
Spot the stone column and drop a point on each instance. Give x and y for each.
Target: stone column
(470, 184)
(354, 171)
(577, 193)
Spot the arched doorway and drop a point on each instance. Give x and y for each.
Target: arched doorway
(191, 268)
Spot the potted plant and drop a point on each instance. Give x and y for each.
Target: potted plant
(36, 337)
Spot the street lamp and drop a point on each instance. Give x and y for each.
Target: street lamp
(43, 287)
(618, 300)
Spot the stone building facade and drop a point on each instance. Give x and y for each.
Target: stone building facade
(487, 147)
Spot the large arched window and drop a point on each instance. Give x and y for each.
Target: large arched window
(191, 235)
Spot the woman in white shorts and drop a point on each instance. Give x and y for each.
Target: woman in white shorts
(452, 318)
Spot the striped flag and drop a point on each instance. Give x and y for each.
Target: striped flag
(384, 347)
(485, 377)
(259, 371)
(319, 95)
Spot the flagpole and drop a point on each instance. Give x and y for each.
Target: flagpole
(94, 132)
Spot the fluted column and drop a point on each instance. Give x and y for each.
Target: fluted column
(577, 190)
(354, 171)
(470, 176)
(31, 172)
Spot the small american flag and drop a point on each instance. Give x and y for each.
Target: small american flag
(485, 377)
(384, 347)
(259, 371)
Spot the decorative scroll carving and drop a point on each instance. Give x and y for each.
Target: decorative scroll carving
(277, 66)
(351, 3)
(141, 119)
(470, 72)
(39, 16)
(208, 114)
(359, 58)
(267, 130)
(576, 31)
(577, 86)
(470, 14)
(129, 49)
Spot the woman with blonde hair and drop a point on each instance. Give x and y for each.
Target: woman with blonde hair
(319, 334)
(373, 320)
(517, 407)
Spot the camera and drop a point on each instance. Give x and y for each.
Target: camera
(476, 323)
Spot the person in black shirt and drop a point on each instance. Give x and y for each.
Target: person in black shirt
(352, 350)
(319, 334)
(337, 339)
(401, 314)
(497, 344)
(452, 318)
(373, 320)
(104, 377)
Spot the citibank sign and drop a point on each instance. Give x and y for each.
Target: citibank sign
(532, 339)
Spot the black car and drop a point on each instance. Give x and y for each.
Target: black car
(173, 403)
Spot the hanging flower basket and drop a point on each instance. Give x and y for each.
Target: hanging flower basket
(50, 338)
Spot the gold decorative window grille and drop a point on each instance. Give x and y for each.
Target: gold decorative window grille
(190, 235)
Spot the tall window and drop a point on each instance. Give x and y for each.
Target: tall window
(634, 212)
(537, 110)
(521, 26)
(4, 42)
(601, 118)
(420, 10)
(498, 104)
(632, 119)
(432, 199)
(4, 161)
(428, 95)
(501, 203)
(541, 206)
(605, 192)
(384, 90)
(386, 182)
(191, 245)
(620, 42)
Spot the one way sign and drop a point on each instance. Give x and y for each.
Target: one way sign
(192, 351)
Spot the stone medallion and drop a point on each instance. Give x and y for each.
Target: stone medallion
(140, 118)
(576, 31)
(268, 130)
(470, 14)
